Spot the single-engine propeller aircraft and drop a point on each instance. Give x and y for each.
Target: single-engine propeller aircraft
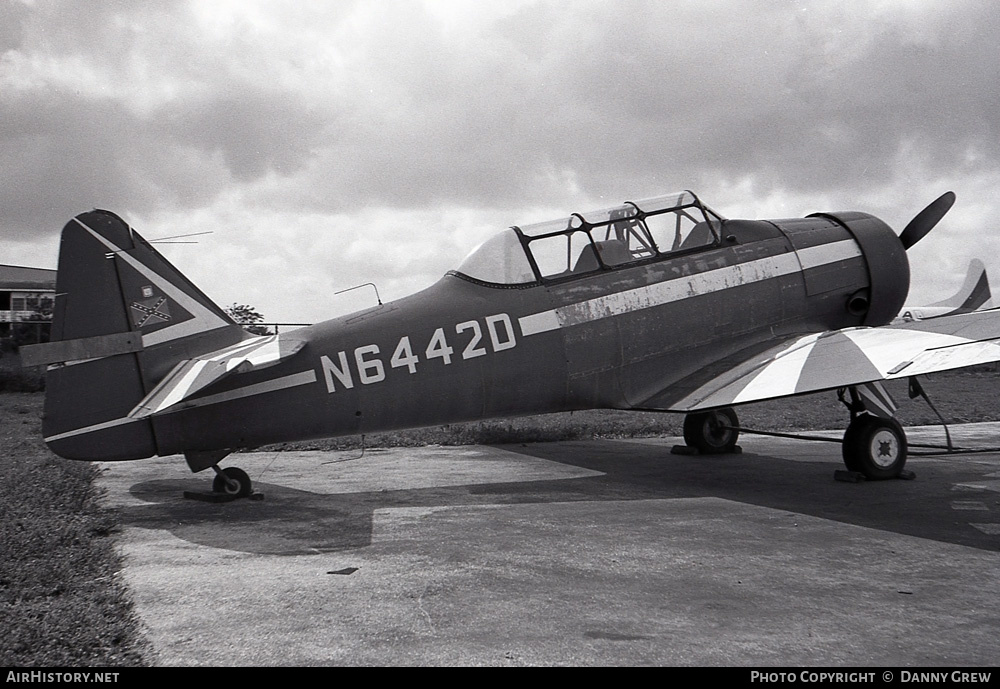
(658, 304)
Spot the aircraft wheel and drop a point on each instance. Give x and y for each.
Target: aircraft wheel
(851, 441)
(712, 432)
(243, 487)
(875, 447)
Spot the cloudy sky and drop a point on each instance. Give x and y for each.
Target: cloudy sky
(328, 144)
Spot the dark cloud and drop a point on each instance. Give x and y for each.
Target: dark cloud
(380, 104)
(13, 16)
(69, 154)
(76, 141)
(623, 96)
(779, 96)
(255, 132)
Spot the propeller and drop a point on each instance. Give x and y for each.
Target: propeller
(924, 221)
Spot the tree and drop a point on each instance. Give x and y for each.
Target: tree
(41, 307)
(248, 317)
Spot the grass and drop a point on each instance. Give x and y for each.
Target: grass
(62, 602)
(15, 378)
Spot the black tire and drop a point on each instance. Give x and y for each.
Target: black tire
(850, 441)
(712, 432)
(875, 447)
(220, 485)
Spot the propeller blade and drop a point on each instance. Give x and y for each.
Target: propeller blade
(924, 221)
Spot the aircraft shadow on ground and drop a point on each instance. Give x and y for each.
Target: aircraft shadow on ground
(290, 521)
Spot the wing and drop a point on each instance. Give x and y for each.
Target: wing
(851, 356)
(191, 375)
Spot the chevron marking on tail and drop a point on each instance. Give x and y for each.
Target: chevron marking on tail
(203, 319)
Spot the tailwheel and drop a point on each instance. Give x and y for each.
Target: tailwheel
(712, 432)
(232, 481)
(875, 447)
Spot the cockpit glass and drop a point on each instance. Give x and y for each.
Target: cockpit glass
(596, 240)
(500, 259)
(563, 254)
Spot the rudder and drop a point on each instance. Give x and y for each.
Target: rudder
(974, 293)
(123, 318)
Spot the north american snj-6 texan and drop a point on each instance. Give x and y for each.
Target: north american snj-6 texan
(658, 304)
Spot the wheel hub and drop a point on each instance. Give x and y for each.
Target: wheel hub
(884, 448)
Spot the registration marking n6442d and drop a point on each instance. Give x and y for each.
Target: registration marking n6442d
(366, 365)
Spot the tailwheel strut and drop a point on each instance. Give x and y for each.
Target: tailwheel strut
(231, 481)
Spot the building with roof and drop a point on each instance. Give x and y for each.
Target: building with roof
(26, 297)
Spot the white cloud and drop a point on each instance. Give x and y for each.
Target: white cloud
(331, 143)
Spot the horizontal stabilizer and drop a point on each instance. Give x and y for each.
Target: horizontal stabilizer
(81, 349)
(192, 375)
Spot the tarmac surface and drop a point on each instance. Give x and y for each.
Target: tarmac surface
(599, 552)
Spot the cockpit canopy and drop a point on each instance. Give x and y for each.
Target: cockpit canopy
(597, 240)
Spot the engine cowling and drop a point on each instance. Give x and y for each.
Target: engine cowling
(888, 267)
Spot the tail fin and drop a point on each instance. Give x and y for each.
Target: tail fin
(973, 296)
(124, 317)
(975, 291)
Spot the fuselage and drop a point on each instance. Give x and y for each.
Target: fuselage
(635, 334)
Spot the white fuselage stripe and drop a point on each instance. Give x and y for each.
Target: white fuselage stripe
(824, 254)
(282, 383)
(678, 289)
(291, 381)
(91, 429)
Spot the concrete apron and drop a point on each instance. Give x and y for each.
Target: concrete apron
(574, 553)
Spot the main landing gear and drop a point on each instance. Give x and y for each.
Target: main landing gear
(712, 432)
(874, 445)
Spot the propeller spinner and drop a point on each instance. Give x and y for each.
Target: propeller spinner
(924, 221)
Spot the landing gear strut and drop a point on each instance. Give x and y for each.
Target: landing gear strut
(874, 444)
(231, 481)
